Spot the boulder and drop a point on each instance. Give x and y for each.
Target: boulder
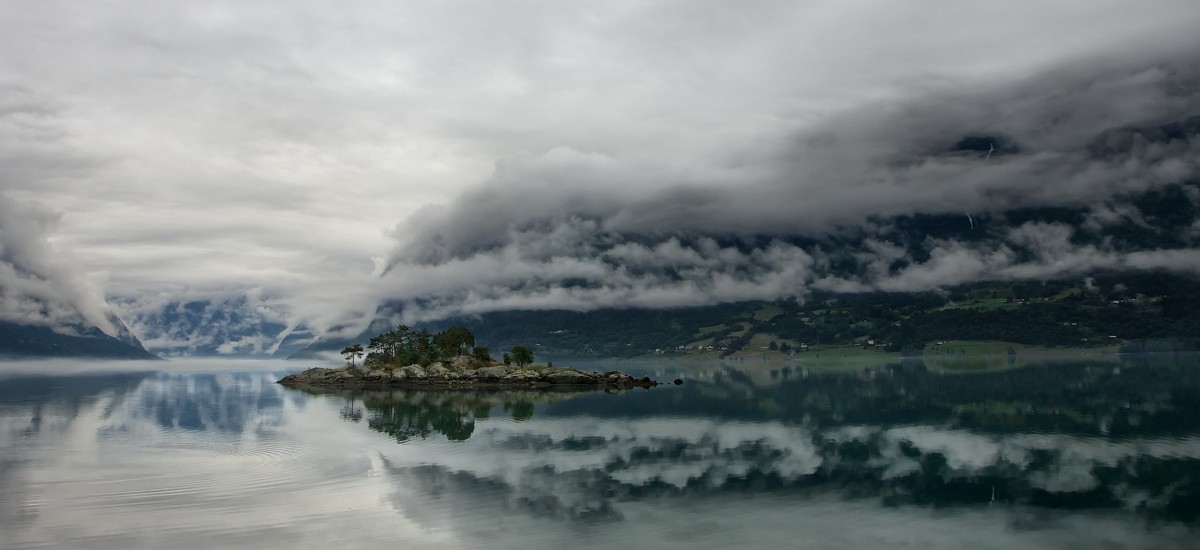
(437, 369)
(377, 375)
(569, 377)
(522, 375)
(491, 373)
(413, 371)
(316, 374)
(459, 363)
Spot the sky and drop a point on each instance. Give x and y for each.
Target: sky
(309, 161)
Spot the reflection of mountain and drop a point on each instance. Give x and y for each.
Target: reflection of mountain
(31, 407)
(1120, 399)
(1064, 436)
(924, 466)
(544, 469)
(232, 403)
(104, 452)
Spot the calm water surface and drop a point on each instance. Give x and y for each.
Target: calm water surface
(1100, 454)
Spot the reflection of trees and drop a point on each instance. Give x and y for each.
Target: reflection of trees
(407, 414)
(404, 420)
(64, 395)
(350, 412)
(521, 410)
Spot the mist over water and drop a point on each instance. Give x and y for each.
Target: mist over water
(214, 454)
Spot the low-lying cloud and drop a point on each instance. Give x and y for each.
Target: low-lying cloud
(575, 230)
(40, 285)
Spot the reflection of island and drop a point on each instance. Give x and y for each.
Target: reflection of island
(1068, 437)
(407, 414)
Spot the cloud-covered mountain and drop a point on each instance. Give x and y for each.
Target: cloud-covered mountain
(832, 207)
(48, 306)
(212, 323)
(653, 154)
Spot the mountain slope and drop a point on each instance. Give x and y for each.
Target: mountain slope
(37, 341)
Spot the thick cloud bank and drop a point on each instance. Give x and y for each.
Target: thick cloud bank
(654, 153)
(40, 285)
(770, 219)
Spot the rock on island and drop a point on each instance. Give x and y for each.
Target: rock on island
(461, 372)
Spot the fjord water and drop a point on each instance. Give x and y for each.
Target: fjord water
(1099, 453)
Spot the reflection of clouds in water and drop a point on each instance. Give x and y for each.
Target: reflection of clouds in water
(220, 402)
(480, 513)
(579, 468)
(1073, 458)
(108, 473)
(668, 450)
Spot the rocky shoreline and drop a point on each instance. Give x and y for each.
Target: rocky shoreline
(462, 373)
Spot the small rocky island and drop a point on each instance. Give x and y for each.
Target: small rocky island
(450, 359)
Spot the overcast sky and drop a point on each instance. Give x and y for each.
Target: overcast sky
(176, 149)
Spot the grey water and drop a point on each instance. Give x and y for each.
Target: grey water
(1102, 453)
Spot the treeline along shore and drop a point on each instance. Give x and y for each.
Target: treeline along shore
(451, 359)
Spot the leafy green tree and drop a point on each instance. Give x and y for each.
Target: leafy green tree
(401, 341)
(507, 358)
(352, 351)
(379, 346)
(522, 355)
(482, 353)
(454, 341)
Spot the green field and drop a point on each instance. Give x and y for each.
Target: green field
(951, 348)
(952, 355)
(985, 304)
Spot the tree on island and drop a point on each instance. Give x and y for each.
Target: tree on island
(455, 339)
(405, 346)
(352, 351)
(522, 355)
